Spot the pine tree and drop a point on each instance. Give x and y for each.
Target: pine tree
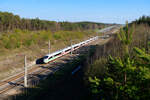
(125, 37)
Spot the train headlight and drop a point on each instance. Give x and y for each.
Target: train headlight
(45, 59)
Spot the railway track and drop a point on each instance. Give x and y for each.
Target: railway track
(18, 79)
(34, 70)
(22, 81)
(21, 75)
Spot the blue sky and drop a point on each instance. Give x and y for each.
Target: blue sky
(108, 11)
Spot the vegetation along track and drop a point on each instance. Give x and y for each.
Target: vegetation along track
(20, 75)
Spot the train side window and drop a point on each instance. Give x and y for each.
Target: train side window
(68, 50)
(50, 57)
(57, 54)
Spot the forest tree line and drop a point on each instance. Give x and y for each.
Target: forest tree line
(9, 22)
(143, 20)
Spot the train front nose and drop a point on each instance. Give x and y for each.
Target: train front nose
(44, 60)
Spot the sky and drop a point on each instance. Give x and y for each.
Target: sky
(105, 11)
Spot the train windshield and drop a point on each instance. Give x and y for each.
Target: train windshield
(45, 57)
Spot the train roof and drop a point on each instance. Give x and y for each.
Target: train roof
(61, 50)
(54, 53)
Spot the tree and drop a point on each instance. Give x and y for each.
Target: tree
(125, 37)
(125, 78)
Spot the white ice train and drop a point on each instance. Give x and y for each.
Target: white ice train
(59, 53)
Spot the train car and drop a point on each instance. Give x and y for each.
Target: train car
(59, 53)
